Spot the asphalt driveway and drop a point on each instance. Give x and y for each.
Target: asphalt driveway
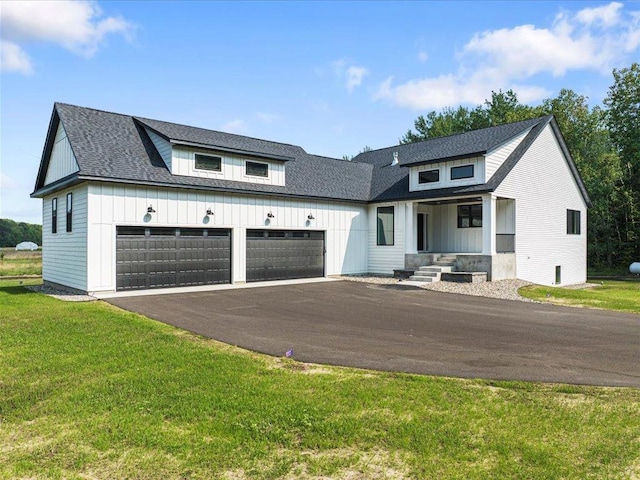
(406, 329)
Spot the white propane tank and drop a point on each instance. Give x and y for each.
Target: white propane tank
(635, 268)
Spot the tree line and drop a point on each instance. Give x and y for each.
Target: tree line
(13, 233)
(603, 141)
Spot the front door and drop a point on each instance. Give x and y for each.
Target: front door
(423, 237)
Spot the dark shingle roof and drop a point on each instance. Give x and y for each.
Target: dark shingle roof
(116, 148)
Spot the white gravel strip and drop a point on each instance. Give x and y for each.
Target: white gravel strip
(61, 294)
(503, 289)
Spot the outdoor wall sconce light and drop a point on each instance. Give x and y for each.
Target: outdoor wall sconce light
(209, 211)
(311, 217)
(270, 215)
(150, 209)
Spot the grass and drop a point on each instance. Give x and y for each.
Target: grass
(623, 296)
(91, 391)
(15, 263)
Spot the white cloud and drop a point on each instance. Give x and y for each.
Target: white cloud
(235, 126)
(592, 39)
(355, 76)
(352, 75)
(77, 26)
(267, 118)
(14, 59)
(423, 56)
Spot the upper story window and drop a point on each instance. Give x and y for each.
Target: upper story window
(256, 169)
(384, 220)
(208, 162)
(463, 171)
(54, 215)
(69, 211)
(429, 176)
(573, 222)
(469, 216)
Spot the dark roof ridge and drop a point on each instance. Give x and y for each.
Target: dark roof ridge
(63, 104)
(536, 119)
(144, 119)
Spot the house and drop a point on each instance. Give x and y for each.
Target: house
(133, 203)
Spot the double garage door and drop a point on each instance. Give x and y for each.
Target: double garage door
(172, 257)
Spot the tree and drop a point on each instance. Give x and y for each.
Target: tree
(12, 233)
(623, 121)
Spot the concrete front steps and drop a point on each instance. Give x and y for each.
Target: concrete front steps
(431, 273)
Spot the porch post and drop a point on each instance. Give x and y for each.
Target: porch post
(488, 225)
(410, 219)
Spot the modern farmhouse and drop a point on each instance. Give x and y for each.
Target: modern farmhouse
(134, 203)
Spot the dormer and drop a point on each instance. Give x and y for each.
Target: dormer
(219, 155)
(449, 173)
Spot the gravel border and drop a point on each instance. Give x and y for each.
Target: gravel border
(502, 289)
(63, 295)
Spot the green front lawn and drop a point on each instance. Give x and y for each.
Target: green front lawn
(90, 391)
(618, 295)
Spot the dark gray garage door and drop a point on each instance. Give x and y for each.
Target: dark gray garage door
(171, 257)
(284, 254)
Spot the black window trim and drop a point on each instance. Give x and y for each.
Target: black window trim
(195, 162)
(246, 168)
(393, 226)
(469, 215)
(457, 167)
(69, 212)
(574, 222)
(420, 182)
(54, 215)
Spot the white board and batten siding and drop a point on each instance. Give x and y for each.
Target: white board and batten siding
(496, 157)
(64, 254)
(447, 237)
(111, 205)
(383, 259)
(444, 169)
(62, 161)
(544, 188)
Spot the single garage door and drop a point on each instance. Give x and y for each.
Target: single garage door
(284, 254)
(171, 257)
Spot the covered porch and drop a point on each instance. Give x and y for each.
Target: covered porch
(471, 233)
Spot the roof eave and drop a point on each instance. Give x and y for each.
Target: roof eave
(444, 159)
(60, 184)
(218, 148)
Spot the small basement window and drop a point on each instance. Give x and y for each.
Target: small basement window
(573, 222)
(385, 226)
(469, 216)
(256, 169)
(429, 176)
(208, 162)
(463, 171)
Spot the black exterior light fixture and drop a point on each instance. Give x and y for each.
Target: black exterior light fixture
(150, 209)
(209, 211)
(311, 217)
(270, 215)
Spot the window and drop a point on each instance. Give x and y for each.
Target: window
(464, 171)
(54, 215)
(385, 226)
(208, 162)
(69, 211)
(573, 222)
(558, 274)
(256, 169)
(429, 176)
(469, 216)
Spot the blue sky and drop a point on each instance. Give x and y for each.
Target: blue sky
(332, 77)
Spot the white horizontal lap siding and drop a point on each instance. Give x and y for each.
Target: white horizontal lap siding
(163, 146)
(495, 158)
(62, 161)
(384, 259)
(64, 254)
(544, 188)
(232, 167)
(113, 205)
(448, 238)
(445, 174)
